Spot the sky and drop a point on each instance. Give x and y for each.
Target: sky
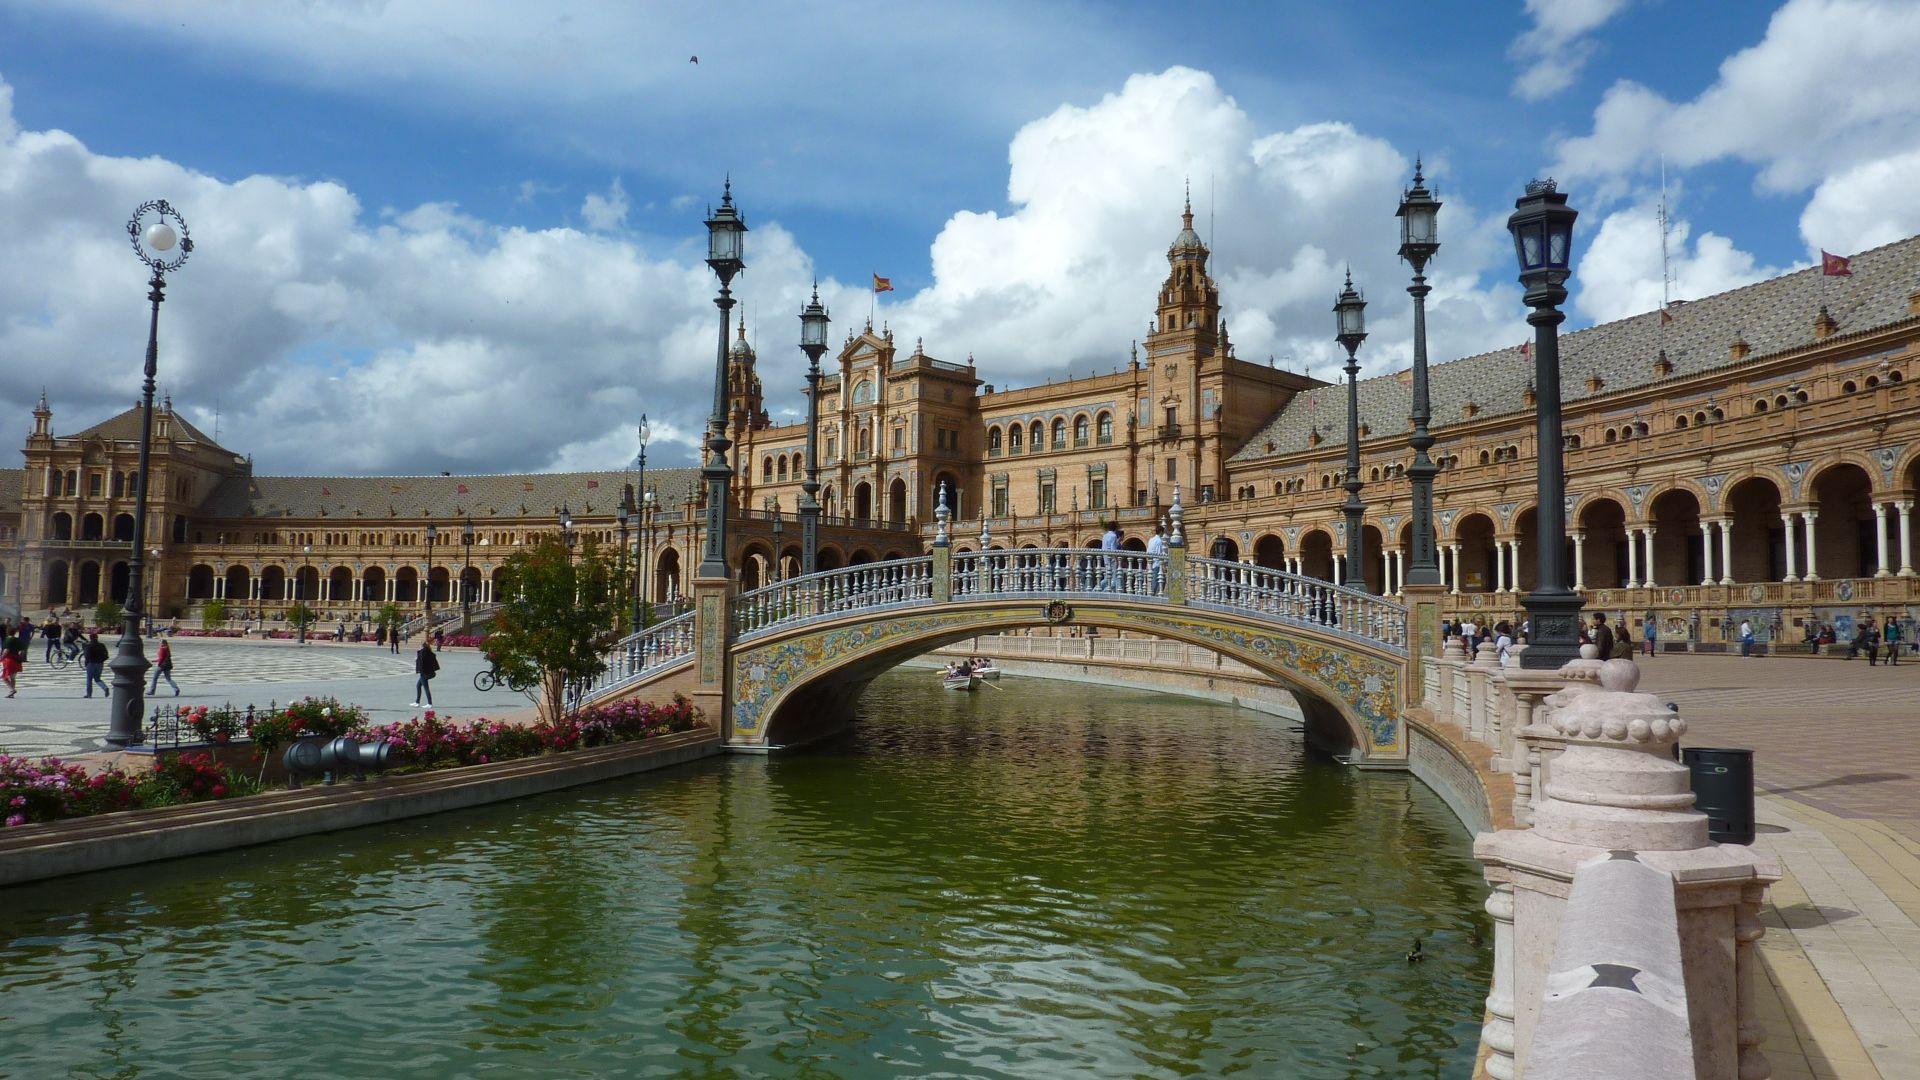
(465, 235)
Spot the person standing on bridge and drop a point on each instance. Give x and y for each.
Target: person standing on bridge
(1157, 545)
(425, 667)
(1110, 543)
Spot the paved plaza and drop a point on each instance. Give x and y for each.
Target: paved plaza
(52, 715)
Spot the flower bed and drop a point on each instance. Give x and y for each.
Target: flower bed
(191, 632)
(431, 743)
(49, 789)
(465, 641)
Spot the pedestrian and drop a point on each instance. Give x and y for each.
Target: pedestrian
(50, 633)
(439, 640)
(1601, 635)
(393, 639)
(1892, 636)
(425, 666)
(1503, 638)
(13, 657)
(70, 640)
(1157, 545)
(1110, 543)
(1649, 633)
(1467, 630)
(95, 655)
(163, 669)
(1746, 637)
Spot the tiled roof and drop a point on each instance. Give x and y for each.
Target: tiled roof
(536, 495)
(1772, 316)
(125, 427)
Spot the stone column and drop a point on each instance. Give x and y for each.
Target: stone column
(1706, 553)
(1813, 561)
(1454, 549)
(1647, 578)
(1905, 506)
(1726, 551)
(1880, 539)
(1498, 1031)
(1793, 570)
(220, 585)
(1747, 932)
(1633, 558)
(1486, 664)
(1579, 560)
(1339, 569)
(1499, 566)
(1513, 575)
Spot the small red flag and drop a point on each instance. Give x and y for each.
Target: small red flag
(1526, 350)
(324, 490)
(1666, 316)
(881, 284)
(1835, 265)
(593, 483)
(461, 488)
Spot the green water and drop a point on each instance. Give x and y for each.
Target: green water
(1047, 880)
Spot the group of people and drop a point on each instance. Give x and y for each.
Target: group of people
(1869, 638)
(1501, 635)
(71, 643)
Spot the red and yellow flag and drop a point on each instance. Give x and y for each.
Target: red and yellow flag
(1830, 265)
(881, 284)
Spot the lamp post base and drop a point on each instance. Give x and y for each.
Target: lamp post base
(128, 700)
(1553, 636)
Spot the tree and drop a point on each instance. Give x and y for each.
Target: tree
(388, 616)
(555, 623)
(300, 615)
(108, 614)
(213, 614)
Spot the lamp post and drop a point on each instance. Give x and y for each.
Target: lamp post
(566, 528)
(623, 514)
(1542, 228)
(649, 509)
(1419, 239)
(153, 588)
(306, 556)
(152, 241)
(813, 342)
(466, 593)
(1350, 312)
(644, 431)
(726, 232)
(433, 533)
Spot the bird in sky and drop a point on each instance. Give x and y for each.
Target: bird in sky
(693, 60)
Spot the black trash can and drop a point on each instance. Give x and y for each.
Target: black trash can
(1722, 781)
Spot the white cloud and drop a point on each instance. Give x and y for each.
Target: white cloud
(338, 338)
(1619, 274)
(1865, 206)
(605, 213)
(1559, 43)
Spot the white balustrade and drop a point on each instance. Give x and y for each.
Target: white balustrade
(1055, 572)
(869, 586)
(637, 657)
(1293, 598)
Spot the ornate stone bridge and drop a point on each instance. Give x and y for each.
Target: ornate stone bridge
(783, 664)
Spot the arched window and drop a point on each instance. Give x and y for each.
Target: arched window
(863, 442)
(780, 468)
(1760, 406)
(1013, 439)
(1872, 381)
(863, 392)
(1612, 435)
(1103, 428)
(766, 470)
(1680, 422)
(1848, 387)
(1036, 438)
(993, 442)
(1080, 431)
(1894, 376)
(1059, 433)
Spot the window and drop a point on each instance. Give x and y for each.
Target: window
(1059, 433)
(93, 485)
(1206, 493)
(1079, 431)
(999, 500)
(1173, 470)
(863, 445)
(993, 442)
(1013, 439)
(1035, 438)
(1103, 428)
(900, 438)
(833, 447)
(1046, 496)
(1097, 493)
(1140, 497)
(782, 470)
(766, 470)
(1173, 418)
(863, 392)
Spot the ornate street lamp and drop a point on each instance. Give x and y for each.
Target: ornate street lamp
(299, 600)
(813, 341)
(566, 527)
(623, 514)
(1542, 228)
(1350, 312)
(1419, 239)
(645, 432)
(433, 533)
(466, 590)
(155, 230)
(726, 236)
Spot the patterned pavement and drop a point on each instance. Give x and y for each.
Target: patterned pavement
(52, 715)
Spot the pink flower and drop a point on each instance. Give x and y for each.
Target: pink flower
(18, 800)
(16, 819)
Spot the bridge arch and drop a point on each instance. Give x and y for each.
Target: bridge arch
(799, 684)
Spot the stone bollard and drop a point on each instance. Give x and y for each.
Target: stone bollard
(1614, 787)
(1486, 664)
(1453, 661)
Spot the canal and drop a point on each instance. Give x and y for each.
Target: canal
(1036, 880)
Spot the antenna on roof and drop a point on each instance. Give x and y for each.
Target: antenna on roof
(1666, 265)
(216, 420)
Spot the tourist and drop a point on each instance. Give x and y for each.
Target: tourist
(1468, 631)
(1746, 637)
(1600, 635)
(1649, 633)
(50, 633)
(393, 639)
(426, 666)
(1503, 638)
(1892, 635)
(96, 662)
(163, 669)
(439, 640)
(70, 640)
(1864, 640)
(1157, 545)
(13, 656)
(1110, 543)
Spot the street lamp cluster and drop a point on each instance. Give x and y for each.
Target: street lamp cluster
(1542, 228)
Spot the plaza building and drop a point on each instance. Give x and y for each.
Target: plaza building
(1753, 455)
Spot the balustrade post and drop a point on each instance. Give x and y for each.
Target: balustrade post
(713, 640)
(1177, 573)
(942, 573)
(1423, 632)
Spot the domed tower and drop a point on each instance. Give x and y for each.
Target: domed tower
(1188, 298)
(746, 407)
(1185, 388)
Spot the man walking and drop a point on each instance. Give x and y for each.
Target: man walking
(1746, 637)
(50, 633)
(425, 667)
(1110, 543)
(1893, 635)
(163, 669)
(1601, 635)
(1157, 545)
(1650, 633)
(95, 656)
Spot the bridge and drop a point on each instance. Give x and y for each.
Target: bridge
(782, 664)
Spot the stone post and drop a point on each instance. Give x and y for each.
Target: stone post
(713, 640)
(1176, 573)
(943, 573)
(1486, 663)
(1423, 640)
(1615, 788)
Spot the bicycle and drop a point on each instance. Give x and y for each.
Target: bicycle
(61, 658)
(486, 680)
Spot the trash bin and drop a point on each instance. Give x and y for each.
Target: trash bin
(1722, 780)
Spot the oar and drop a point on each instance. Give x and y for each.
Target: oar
(989, 682)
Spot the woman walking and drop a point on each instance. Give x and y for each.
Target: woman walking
(13, 657)
(163, 669)
(426, 666)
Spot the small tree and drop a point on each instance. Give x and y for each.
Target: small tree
(108, 614)
(388, 616)
(555, 624)
(213, 614)
(300, 615)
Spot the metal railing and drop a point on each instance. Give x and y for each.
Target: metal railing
(869, 586)
(1294, 598)
(1056, 572)
(638, 657)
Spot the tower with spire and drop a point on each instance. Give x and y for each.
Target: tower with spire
(746, 403)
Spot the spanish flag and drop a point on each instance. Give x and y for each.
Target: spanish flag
(881, 284)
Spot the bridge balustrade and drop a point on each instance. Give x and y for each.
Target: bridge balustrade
(869, 586)
(1052, 572)
(1295, 598)
(638, 657)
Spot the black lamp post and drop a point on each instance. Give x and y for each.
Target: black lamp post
(649, 508)
(644, 431)
(1542, 228)
(466, 590)
(299, 599)
(152, 241)
(433, 534)
(813, 342)
(624, 514)
(1350, 311)
(566, 528)
(726, 234)
(1419, 239)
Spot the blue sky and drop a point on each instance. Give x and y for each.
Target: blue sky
(376, 187)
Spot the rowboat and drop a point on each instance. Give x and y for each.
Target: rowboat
(961, 682)
(985, 670)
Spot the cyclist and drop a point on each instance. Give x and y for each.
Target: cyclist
(70, 640)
